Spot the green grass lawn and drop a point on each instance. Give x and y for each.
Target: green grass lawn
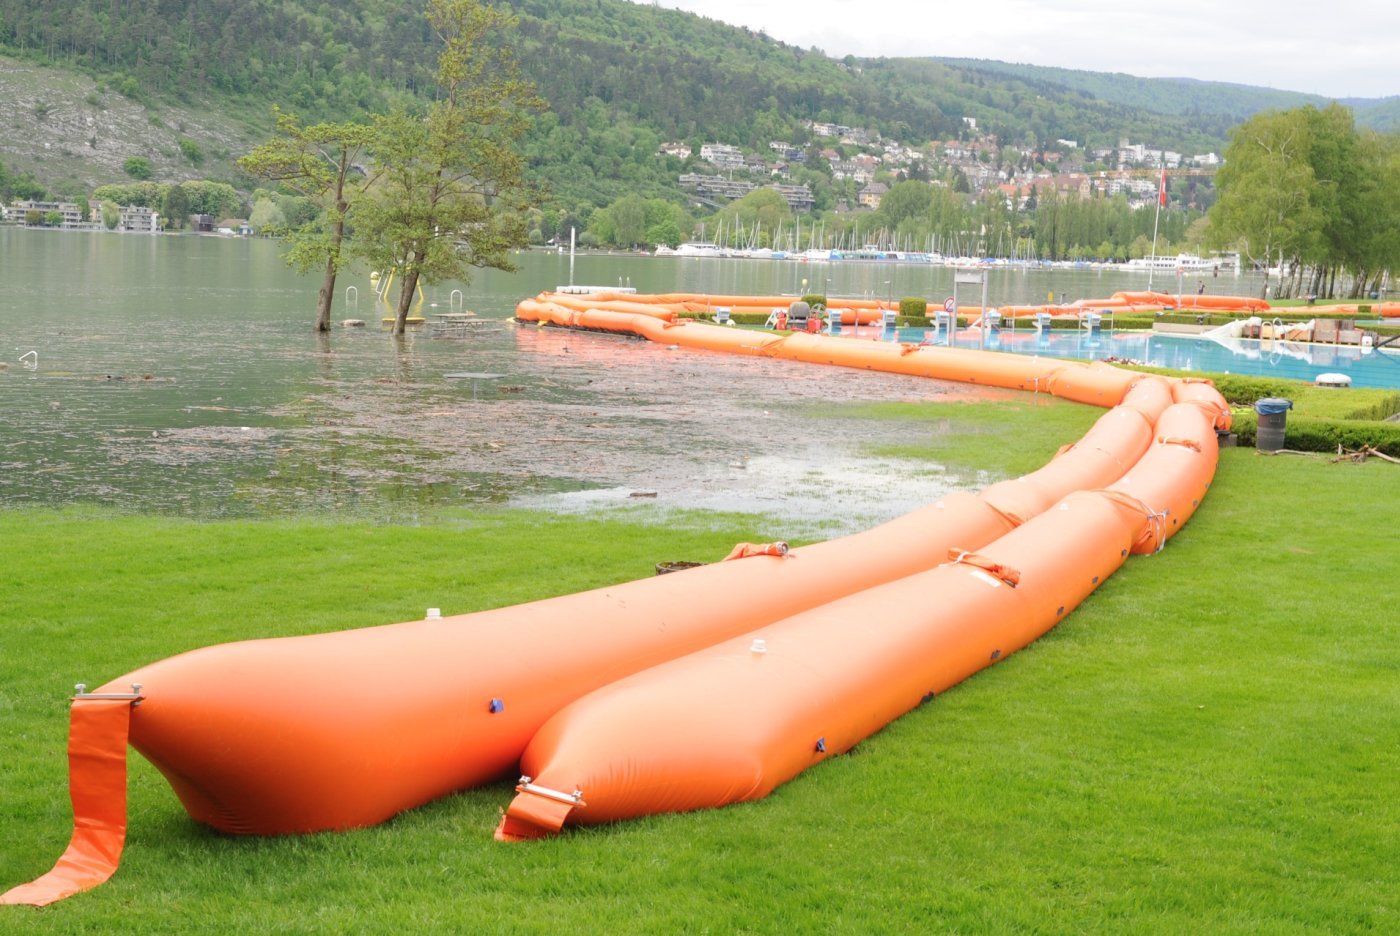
(1210, 744)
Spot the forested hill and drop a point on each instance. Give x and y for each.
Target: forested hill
(1180, 96)
(619, 78)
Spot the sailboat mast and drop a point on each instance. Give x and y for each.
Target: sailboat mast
(1161, 197)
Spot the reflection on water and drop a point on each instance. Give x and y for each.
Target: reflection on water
(181, 375)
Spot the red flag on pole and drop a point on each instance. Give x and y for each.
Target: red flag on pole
(1162, 189)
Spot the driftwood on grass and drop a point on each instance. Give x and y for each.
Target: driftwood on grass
(1358, 456)
(1363, 453)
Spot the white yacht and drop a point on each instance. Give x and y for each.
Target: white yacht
(698, 249)
(1187, 263)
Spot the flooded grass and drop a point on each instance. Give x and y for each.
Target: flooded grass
(576, 422)
(980, 440)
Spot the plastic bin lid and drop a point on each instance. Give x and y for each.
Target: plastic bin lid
(1272, 406)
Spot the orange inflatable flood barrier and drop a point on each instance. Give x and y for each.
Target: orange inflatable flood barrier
(344, 730)
(812, 686)
(1381, 309)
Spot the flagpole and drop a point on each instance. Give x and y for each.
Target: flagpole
(1161, 197)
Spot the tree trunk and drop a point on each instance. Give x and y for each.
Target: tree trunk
(327, 294)
(407, 288)
(325, 297)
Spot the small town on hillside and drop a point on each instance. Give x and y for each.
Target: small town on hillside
(868, 164)
(861, 164)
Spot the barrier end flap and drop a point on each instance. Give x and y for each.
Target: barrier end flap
(97, 737)
(532, 816)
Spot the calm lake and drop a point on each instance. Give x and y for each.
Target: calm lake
(180, 375)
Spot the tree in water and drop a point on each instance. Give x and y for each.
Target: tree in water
(452, 178)
(322, 162)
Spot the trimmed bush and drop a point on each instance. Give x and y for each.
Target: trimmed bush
(913, 307)
(738, 318)
(1381, 409)
(814, 300)
(1310, 434)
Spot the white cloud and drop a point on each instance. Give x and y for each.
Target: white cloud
(1346, 48)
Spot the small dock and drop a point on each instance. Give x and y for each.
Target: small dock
(456, 324)
(572, 290)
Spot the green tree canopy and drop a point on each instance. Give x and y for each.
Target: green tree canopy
(452, 178)
(138, 167)
(1303, 189)
(266, 217)
(762, 211)
(906, 200)
(322, 162)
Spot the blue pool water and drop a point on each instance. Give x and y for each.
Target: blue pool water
(1366, 368)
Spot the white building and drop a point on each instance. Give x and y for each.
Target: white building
(72, 214)
(722, 155)
(137, 220)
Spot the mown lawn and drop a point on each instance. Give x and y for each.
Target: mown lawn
(1210, 744)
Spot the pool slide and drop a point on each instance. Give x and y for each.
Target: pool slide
(343, 730)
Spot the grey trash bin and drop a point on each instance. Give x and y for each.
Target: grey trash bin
(798, 313)
(1273, 417)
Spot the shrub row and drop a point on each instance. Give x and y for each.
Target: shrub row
(1311, 434)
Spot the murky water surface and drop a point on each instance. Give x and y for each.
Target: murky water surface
(180, 375)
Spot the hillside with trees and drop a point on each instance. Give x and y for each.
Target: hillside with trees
(1305, 190)
(618, 78)
(1221, 104)
(170, 93)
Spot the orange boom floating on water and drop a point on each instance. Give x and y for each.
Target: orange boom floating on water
(342, 730)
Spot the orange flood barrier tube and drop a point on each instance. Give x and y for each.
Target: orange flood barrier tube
(279, 736)
(341, 730)
(812, 686)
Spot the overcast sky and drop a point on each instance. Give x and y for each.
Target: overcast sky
(1338, 48)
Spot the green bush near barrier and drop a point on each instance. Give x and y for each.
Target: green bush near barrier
(1322, 417)
(814, 300)
(913, 307)
(1376, 405)
(1311, 434)
(1355, 405)
(738, 318)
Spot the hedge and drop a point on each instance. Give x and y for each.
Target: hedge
(1311, 434)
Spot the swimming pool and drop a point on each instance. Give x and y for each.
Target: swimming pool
(1365, 367)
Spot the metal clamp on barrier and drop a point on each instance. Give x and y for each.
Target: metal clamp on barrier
(526, 786)
(134, 696)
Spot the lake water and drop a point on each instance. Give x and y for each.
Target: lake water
(181, 375)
